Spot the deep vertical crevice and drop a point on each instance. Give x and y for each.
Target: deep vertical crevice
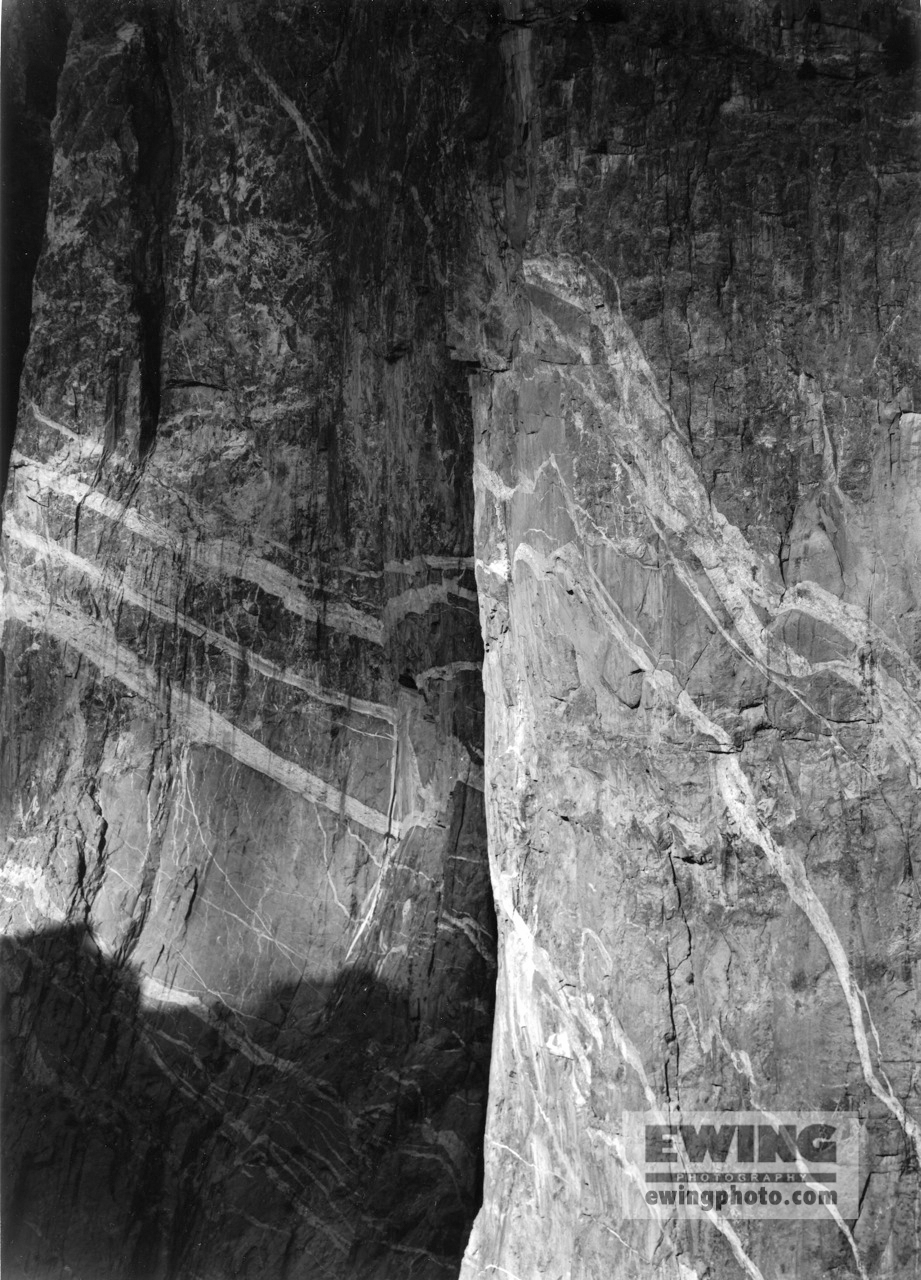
(151, 116)
(34, 44)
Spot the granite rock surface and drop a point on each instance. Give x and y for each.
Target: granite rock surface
(365, 339)
(697, 543)
(250, 942)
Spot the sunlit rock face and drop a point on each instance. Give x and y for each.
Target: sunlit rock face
(250, 941)
(698, 534)
(615, 305)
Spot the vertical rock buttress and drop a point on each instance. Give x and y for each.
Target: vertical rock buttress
(697, 541)
(249, 939)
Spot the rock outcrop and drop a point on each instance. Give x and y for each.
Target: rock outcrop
(617, 305)
(250, 936)
(698, 530)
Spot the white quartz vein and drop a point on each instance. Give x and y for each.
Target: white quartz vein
(207, 558)
(421, 599)
(739, 1056)
(740, 804)
(97, 642)
(676, 503)
(237, 1130)
(315, 145)
(675, 500)
(577, 1017)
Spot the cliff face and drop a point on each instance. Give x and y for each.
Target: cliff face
(618, 305)
(697, 538)
(251, 944)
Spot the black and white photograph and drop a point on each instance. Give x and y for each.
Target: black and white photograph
(460, 640)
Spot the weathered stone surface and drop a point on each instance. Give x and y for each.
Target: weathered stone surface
(250, 939)
(640, 280)
(697, 541)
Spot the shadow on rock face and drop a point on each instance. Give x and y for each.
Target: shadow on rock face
(143, 1142)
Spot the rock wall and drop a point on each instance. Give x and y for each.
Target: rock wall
(250, 943)
(617, 304)
(698, 529)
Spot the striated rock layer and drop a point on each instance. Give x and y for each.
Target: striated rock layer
(250, 944)
(618, 303)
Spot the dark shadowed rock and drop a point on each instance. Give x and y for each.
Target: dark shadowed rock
(251, 935)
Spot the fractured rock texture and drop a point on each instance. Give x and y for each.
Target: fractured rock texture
(698, 530)
(250, 939)
(618, 304)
